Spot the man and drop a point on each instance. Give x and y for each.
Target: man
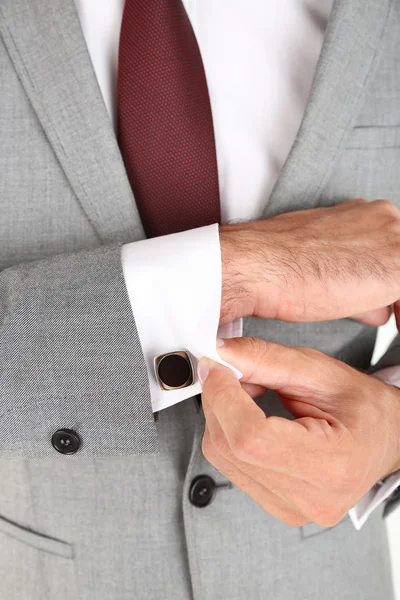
(110, 292)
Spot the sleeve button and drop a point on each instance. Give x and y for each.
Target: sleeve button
(66, 441)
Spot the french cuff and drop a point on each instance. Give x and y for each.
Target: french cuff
(384, 489)
(174, 288)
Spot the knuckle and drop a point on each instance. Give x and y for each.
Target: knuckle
(385, 206)
(265, 354)
(328, 517)
(258, 347)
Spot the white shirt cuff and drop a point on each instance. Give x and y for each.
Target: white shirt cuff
(174, 288)
(382, 490)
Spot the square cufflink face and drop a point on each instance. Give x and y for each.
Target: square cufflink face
(174, 370)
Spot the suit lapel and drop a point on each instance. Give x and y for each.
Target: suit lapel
(47, 47)
(350, 48)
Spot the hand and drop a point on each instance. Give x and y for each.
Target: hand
(313, 265)
(345, 438)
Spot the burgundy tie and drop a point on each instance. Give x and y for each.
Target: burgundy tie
(165, 124)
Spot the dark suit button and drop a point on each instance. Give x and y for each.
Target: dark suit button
(202, 491)
(66, 441)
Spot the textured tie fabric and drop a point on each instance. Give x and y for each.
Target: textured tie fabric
(165, 125)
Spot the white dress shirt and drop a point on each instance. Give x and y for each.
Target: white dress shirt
(259, 65)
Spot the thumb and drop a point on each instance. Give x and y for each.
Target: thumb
(242, 422)
(220, 385)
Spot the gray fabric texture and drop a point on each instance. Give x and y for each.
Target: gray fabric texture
(70, 354)
(114, 521)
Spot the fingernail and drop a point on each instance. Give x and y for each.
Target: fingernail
(220, 343)
(203, 369)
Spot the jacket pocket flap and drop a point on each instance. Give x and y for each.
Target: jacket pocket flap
(363, 138)
(35, 540)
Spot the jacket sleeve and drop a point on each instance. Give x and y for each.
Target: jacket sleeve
(70, 357)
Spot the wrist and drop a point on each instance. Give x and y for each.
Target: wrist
(253, 271)
(238, 290)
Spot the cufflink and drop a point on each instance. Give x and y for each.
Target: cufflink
(174, 370)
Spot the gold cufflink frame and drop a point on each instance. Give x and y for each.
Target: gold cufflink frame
(167, 384)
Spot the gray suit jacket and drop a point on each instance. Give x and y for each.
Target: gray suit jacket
(114, 522)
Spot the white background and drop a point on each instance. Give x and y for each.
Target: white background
(385, 336)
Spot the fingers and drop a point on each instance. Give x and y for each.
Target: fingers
(285, 457)
(375, 318)
(223, 393)
(251, 437)
(278, 473)
(300, 371)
